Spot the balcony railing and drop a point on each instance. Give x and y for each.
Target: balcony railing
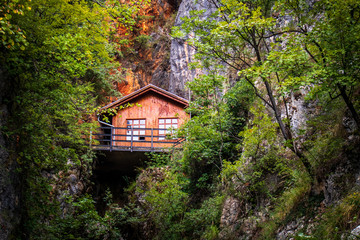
(134, 139)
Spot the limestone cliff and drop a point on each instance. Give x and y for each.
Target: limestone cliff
(146, 60)
(161, 61)
(182, 54)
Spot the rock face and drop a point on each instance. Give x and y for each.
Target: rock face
(148, 61)
(65, 184)
(299, 111)
(355, 233)
(345, 176)
(9, 179)
(181, 54)
(156, 62)
(231, 212)
(229, 217)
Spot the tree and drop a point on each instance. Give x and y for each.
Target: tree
(328, 31)
(212, 132)
(240, 34)
(54, 83)
(11, 35)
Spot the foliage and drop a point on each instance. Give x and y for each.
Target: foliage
(211, 138)
(326, 140)
(262, 156)
(108, 113)
(12, 36)
(212, 131)
(332, 44)
(142, 41)
(84, 222)
(287, 202)
(203, 223)
(240, 35)
(128, 28)
(167, 203)
(260, 128)
(58, 64)
(157, 159)
(264, 164)
(58, 59)
(340, 218)
(274, 61)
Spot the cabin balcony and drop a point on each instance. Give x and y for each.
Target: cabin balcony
(109, 138)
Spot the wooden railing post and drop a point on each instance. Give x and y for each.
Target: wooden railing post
(103, 142)
(132, 135)
(152, 139)
(111, 138)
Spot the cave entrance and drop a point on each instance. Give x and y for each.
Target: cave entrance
(114, 172)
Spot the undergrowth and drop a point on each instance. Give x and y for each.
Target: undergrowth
(287, 203)
(337, 221)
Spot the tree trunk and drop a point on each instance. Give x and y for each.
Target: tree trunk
(349, 104)
(286, 132)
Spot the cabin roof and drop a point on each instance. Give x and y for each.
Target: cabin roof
(146, 89)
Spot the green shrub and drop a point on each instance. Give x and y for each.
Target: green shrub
(166, 202)
(203, 223)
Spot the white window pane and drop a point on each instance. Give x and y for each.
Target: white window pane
(142, 132)
(168, 120)
(161, 126)
(161, 138)
(174, 120)
(129, 122)
(136, 138)
(168, 131)
(142, 121)
(142, 126)
(128, 138)
(161, 120)
(136, 121)
(136, 132)
(161, 132)
(174, 125)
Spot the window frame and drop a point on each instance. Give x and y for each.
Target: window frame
(138, 135)
(173, 125)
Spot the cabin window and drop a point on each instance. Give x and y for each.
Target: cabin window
(135, 125)
(167, 126)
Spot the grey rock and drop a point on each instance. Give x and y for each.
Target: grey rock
(357, 179)
(181, 53)
(346, 176)
(349, 124)
(355, 233)
(290, 230)
(230, 213)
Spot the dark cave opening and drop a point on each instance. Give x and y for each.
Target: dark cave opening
(113, 173)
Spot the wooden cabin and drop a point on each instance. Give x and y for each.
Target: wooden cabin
(145, 120)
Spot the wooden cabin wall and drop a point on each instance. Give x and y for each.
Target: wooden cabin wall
(153, 106)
